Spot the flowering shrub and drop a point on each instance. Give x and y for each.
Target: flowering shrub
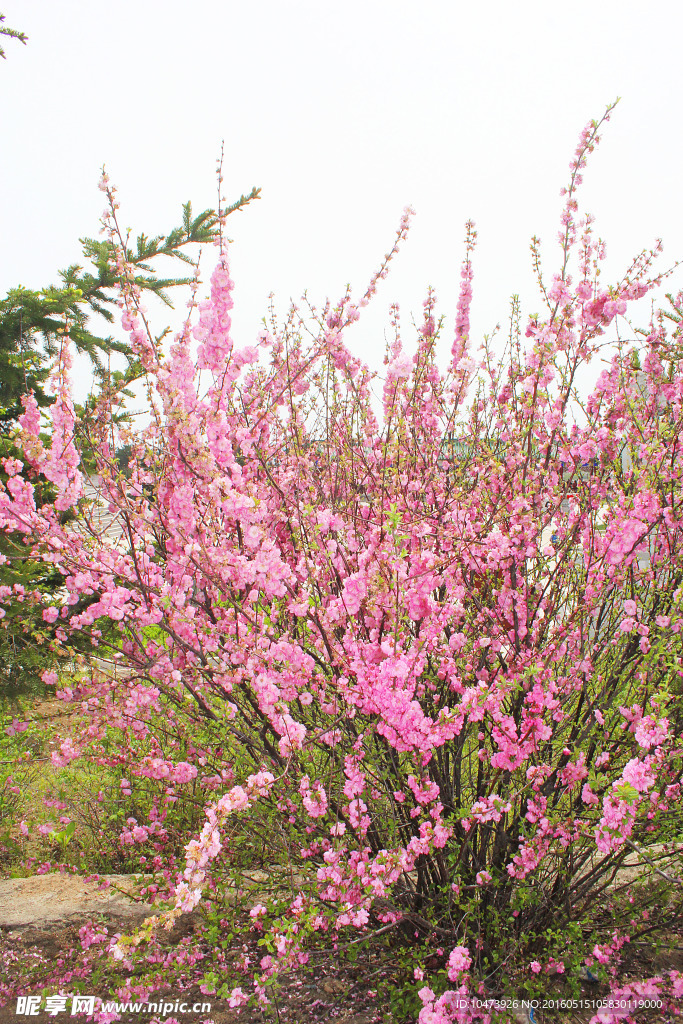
(431, 656)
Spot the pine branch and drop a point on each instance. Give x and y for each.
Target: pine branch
(26, 316)
(11, 33)
(242, 202)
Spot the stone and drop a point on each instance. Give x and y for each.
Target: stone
(58, 899)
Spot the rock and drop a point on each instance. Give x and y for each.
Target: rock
(55, 899)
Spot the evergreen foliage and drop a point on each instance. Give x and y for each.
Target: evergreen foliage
(13, 33)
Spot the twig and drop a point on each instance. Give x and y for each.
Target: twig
(641, 853)
(370, 935)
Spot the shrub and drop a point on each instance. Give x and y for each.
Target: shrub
(431, 655)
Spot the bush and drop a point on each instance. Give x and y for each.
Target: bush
(431, 657)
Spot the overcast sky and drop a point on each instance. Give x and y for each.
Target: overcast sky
(343, 113)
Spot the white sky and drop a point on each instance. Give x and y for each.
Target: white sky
(343, 113)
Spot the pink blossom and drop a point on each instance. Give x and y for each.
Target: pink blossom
(400, 368)
(459, 960)
(237, 998)
(630, 532)
(354, 592)
(559, 292)
(651, 732)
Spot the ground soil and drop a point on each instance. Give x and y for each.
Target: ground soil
(345, 995)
